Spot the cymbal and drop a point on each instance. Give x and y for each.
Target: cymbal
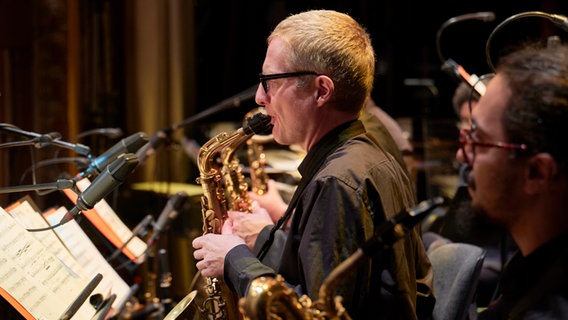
(165, 187)
(180, 307)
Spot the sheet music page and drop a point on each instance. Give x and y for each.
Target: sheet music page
(114, 228)
(34, 276)
(37, 300)
(90, 258)
(25, 214)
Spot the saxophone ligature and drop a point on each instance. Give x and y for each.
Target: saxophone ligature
(212, 298)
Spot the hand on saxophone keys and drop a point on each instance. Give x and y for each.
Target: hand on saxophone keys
(248, 225)
(210, 251)
(272, 201)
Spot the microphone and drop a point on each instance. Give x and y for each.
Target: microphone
(140, 228)
(112, 176)
(450, 66)
(560, 21)
(385, 236)
(396, 228)
(454, 70)
(158, 139)
(42, 140)
(169, 213)
(127, 145)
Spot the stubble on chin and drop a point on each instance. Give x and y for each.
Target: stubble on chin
(475, 223)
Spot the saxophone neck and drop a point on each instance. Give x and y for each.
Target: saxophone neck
(217, 144)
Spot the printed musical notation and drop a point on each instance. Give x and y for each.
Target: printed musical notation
(31, 275)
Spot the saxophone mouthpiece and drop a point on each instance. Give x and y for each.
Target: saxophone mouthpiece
(258, 124)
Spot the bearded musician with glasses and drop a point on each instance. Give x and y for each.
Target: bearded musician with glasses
(517, 177)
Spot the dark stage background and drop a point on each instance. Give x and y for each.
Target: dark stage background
(409, 83)
(230, 44)
(67, 65)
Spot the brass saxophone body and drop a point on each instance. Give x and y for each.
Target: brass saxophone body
(236, 188)
(257, 163)
(271, 298)
(257, 158)
(214, 300)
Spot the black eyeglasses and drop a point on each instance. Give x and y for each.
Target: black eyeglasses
(265, 77)
(468, 142)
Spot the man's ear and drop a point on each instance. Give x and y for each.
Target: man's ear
(325, 88)
(542, 169)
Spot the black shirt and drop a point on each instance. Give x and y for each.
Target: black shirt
(535, 286)
(352, 189)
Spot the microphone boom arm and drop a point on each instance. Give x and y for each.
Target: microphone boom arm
(47, 139)
(60, 184)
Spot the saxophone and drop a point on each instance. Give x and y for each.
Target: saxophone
(213, 298)
(271, 298)
(236, 188)
(257, 158)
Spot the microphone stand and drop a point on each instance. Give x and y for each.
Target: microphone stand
(60, 184)
(231, 102)
(558, 20)
(163, 136)
(165, 281)
(157, 265)
(452, 68)
(40, 140)
(154, 308)
(482, 16)
(385, 236)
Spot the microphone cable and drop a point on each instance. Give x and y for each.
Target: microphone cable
(79, 161)
(113, 175)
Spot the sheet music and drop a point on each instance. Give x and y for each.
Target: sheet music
(112, 227)
(35, 277)
(90, 258)
(25, 214)
(36, 299)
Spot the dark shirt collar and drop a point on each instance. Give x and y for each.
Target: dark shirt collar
(328, 143)
(540, 258)
(528, 279)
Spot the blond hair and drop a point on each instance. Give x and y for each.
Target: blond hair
(331, 43)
